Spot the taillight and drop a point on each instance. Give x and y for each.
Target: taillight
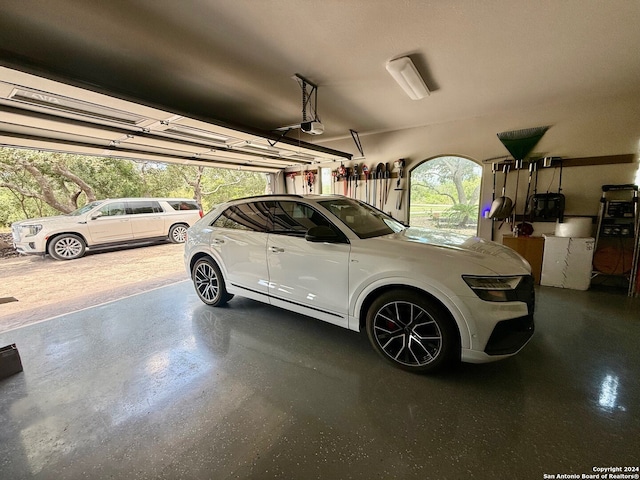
(200, 212)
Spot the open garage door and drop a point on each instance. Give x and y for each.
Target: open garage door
(42, 114)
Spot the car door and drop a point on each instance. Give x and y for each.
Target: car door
(307, 277)
(110, 223)
(147, 219)
(239, 239)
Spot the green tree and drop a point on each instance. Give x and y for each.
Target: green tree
(212, 186)
(43, 178)
(449, 180)
(34, 184)
(220, 185)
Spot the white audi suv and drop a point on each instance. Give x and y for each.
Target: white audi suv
(425, 299)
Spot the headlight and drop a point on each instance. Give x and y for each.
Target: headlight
(493, 289)
(30, 230)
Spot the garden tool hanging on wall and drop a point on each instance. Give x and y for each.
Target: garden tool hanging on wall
(526, 228)
(502, 206)
(355, 176)
(519, 143)
(365, 172)
(494, 170)
(399, 164)
(374, 185)
(387, 181)
(356, 168)
(380, 177)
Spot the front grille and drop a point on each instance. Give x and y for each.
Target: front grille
(509, 336)
(15, 233)
(526, 293)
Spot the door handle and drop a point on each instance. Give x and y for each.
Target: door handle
(276, 249)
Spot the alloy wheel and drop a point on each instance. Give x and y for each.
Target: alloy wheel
(179, 234)
(407, 334)
(206, 281)
(68, 248)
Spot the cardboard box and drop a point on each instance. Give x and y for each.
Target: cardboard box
(567, 262)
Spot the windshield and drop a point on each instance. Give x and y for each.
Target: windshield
(85, 209)
(364, 220)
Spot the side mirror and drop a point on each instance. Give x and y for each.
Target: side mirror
(96, 215)
(321, 233)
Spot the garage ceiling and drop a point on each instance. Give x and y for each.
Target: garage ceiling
(232, 63)
(46, 115)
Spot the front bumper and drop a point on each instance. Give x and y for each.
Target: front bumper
(509, 334)
(507, 339)
(29, 245)
(27, 248)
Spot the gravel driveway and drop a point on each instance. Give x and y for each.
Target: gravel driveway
(45, 288)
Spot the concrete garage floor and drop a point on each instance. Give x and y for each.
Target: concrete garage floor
(160, 386)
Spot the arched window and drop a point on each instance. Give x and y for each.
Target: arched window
(445, 194)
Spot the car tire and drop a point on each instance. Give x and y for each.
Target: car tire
(412, 332)
(209, 283)
(178, 233)
(67, 247)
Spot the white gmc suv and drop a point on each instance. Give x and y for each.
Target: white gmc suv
(106, 223)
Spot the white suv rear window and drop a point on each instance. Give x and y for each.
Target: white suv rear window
(183, 205)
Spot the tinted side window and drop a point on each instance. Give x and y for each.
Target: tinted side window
(144, 206)
(183, 205)
(362, 219)
(248, 216)
(293, 218)
(111, 209)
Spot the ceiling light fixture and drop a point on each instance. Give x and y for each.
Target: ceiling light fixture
(196, 133)
(406, 74)
(72, 106)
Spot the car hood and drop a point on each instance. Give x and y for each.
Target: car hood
(58, 219)
(490, 255)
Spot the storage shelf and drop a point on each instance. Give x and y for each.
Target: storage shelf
(617, 246)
